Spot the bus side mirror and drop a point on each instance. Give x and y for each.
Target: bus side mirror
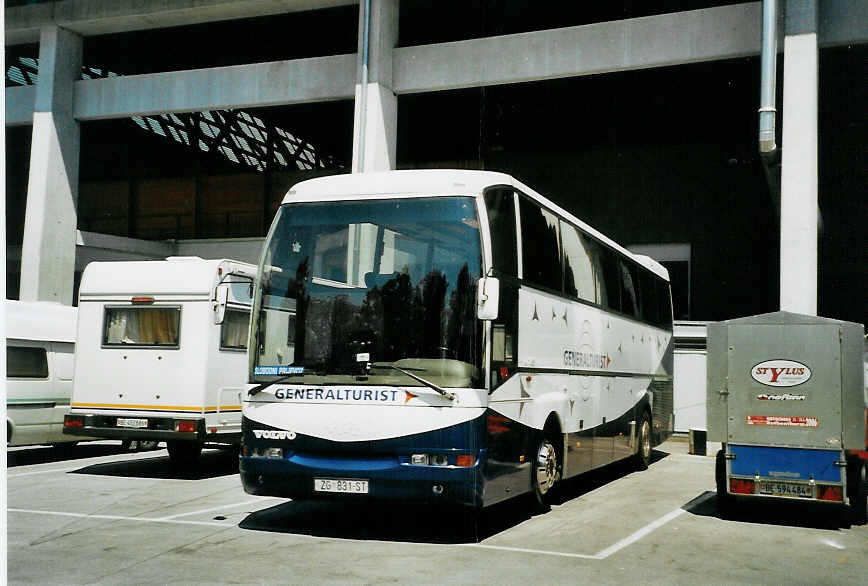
(220, 298)
(487, 298)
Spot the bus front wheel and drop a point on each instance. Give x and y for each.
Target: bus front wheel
(545, 474)
(184, 452)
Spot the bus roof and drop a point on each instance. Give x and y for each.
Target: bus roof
(433, 182)
(425, 182)
(40, 320)
(177, 275)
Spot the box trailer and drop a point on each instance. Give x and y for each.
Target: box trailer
(785, 397)
(162, 352)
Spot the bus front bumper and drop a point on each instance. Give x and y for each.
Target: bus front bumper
(388, 478)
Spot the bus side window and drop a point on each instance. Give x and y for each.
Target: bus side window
(609, 289)
(629, 289)
(664, 303)
(579, 280)
(648, 293)
(540, 246)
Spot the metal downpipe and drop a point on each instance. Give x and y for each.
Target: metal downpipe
(363, 98)
(768, 80)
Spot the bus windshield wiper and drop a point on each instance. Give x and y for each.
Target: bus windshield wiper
(415, 377)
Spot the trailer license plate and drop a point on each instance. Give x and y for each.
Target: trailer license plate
(785, 489)
(127, 422)
(343, 485)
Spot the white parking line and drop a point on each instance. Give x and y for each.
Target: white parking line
(637, 535)
(223, 507)
(119, 518)
(43, 472)
(629, 540)
(583, 556)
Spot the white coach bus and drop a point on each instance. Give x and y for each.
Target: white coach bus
(162, 352)
(454, 337)
(40, 342)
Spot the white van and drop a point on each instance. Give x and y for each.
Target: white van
(40, 342)
(162, 352)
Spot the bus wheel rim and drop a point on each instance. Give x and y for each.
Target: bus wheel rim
(546, 467)
(646, 440)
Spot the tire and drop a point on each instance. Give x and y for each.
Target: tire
(724, 500)
(642, 457)
(857, 487)
(184, 452)
(139, 445)
(545, 474)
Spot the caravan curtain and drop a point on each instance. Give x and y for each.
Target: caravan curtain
(142, 326)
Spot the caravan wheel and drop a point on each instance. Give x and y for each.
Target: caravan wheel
(184, 452)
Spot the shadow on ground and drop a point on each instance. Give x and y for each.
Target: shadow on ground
(363, 520)
(804, 514)
(585, 483)
(62, 453)
(211, 464)
(386, 522)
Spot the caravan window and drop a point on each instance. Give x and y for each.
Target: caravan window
(233, 332)
(26, 362)
(142, 326)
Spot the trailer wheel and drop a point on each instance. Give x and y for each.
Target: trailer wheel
(723, 498)
(642, 458)
(184, 452)
(545, 473)
(856, 491)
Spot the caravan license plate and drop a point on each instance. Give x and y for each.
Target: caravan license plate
(785, 489)
(137, 423)
(342, 485)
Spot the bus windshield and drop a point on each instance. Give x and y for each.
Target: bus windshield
(366, 291)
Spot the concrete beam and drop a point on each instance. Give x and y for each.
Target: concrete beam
(679, 38)
(843, 22)
(122, 244)
(99, 17)
(260, 84)
(19, 105)
(656, 41)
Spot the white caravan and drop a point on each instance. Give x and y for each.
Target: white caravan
(162, 352)
(40, 341)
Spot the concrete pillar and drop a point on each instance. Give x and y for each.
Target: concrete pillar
(375, 123)
(48, 250)
(799, 212)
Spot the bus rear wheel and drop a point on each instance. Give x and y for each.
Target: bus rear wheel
(184, 452)
(642, 457)
(545, 474)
